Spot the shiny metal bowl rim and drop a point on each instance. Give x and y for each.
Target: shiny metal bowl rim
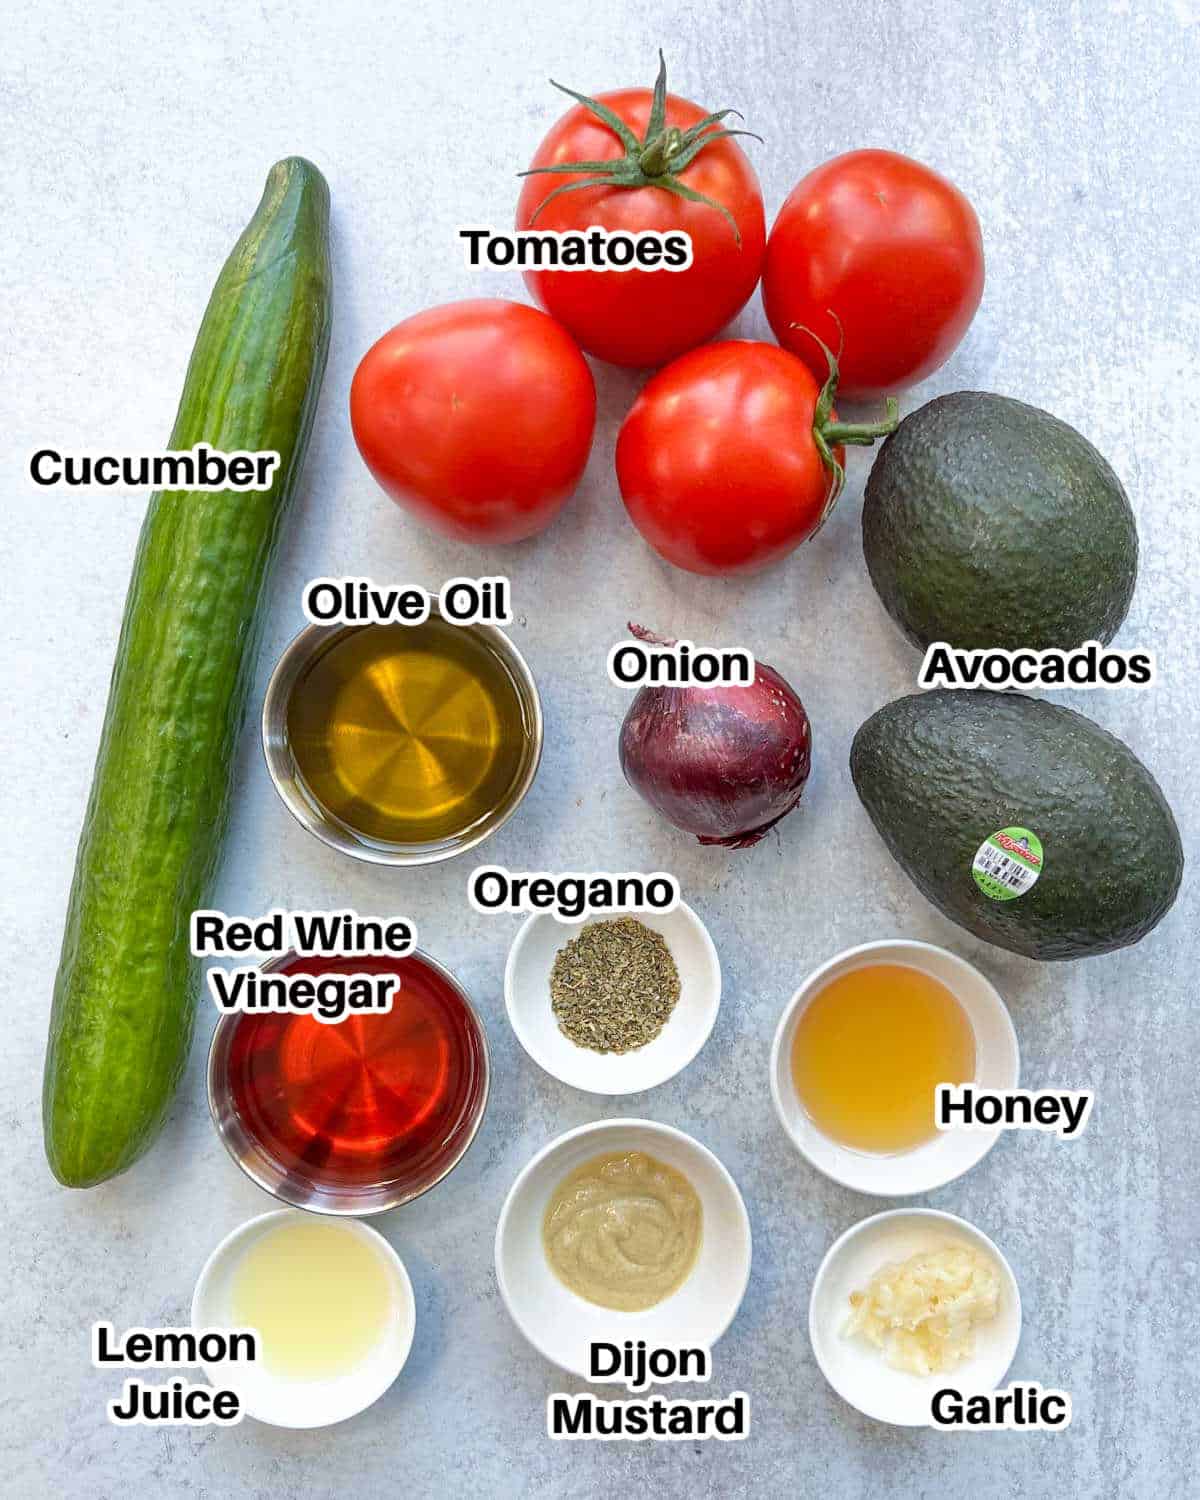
(264, 1173)
(296, 655)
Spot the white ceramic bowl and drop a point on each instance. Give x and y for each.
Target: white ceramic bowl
(527, 996)
(858, 1371)
(303, 1403)
(951, 1152)
(562, 1325)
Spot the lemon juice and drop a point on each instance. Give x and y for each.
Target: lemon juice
(319, 1295)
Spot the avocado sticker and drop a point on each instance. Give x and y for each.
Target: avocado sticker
(1007, 864)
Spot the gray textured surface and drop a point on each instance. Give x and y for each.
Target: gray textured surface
(137, 146)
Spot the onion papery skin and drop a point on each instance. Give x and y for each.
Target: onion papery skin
(722, 763)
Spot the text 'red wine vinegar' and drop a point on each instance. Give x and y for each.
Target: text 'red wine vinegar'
(374, 1099)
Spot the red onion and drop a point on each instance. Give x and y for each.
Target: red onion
(724, 763)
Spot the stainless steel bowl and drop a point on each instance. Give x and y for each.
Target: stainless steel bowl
(307, 811)
(293, 1187)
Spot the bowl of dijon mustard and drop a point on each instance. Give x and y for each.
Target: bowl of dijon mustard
(622, 1229)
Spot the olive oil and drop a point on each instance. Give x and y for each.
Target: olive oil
(319, 1296)
(408, 734)
(871, 1047)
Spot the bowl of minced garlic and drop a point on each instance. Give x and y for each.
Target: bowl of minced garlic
(922, 1313)
(907, 1302)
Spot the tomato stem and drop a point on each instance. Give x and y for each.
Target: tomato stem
(838, 434)
(656, 161)
(656, 155)
(829, 434)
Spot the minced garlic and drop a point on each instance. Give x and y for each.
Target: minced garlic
(923, 1312)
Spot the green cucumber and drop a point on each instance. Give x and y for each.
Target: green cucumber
(125, 996)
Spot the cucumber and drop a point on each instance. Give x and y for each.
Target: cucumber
(125, 995)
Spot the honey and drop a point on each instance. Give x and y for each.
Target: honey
(869, 1050)
(408, 734)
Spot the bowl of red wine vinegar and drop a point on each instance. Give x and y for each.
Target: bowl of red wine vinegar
(359, 1115)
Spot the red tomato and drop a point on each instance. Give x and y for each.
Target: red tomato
(731, 457)
(476, 416)
(637, 317)
(893, 250)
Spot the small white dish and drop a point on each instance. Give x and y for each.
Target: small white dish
(859, 1372)
(951, 1152)
(283, 1402)
(562, 1325)
(527, 997)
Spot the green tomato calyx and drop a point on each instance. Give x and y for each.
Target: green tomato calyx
(829, 434)
(655, 161)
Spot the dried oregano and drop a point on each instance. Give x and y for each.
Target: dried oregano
(614, 987)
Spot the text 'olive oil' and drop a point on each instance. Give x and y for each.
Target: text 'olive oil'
(871, 1047)
(408, 734)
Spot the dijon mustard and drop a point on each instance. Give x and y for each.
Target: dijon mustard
(623, 1230)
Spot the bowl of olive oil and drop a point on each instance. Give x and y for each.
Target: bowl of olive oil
(402, 744)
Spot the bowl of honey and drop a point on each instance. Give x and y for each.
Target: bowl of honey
(402, 744)
(358, 1116)
(860, 1051)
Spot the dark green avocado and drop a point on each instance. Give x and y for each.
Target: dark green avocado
(941, 772)
(991, 523)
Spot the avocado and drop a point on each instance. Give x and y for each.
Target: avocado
(940, 773)
(988, 522)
